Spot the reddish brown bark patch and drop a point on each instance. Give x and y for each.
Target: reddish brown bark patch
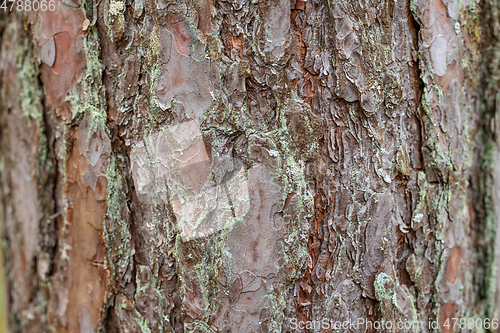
(177, 26)
(452, 265)
(447, 314)
(86, 211)
(65, 26)
(204, 10)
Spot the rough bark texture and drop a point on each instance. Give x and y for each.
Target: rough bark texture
(233, 166)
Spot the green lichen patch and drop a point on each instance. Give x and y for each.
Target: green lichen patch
(88, 97)
(31, 94)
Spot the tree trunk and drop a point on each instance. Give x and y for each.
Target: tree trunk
(246, 166)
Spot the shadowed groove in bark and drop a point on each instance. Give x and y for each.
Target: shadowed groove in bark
(486, 178)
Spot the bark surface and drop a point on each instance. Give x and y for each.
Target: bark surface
(242, 166)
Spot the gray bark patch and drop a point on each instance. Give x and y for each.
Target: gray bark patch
(438, 50)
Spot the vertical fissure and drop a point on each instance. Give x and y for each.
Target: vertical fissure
(486, 180)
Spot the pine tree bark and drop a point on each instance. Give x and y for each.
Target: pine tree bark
(250, 166)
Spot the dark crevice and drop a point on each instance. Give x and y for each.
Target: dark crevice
(48, 187)
(483, 181)
(420, 86)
